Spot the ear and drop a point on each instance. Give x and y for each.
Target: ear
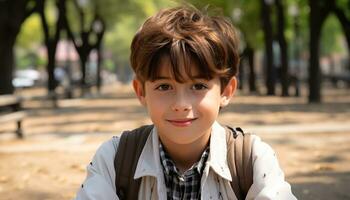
(228, 92)
(139, 91)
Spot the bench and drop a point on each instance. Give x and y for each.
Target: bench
(10, 110)
(335, 78)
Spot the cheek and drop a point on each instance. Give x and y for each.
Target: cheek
(210, 104)
(156, 104)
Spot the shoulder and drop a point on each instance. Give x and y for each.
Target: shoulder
(103, 160)
(262, 153)
(99, 182)
(268, 180)
(265, 162)
(108, 148)
(259, 147)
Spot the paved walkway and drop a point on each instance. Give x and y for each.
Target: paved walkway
(82, 142)
(327, 127)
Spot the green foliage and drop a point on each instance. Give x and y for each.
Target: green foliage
(331, 36)
(245, 15)
(109, 65)
(345, 5)
(74, 17)
(31, 33)
(28, 59)
(28, 41)
(118, 38)
(51, 14)
(249, 22)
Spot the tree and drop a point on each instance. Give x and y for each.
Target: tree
(284, 76)
(87, 30)
(319, 10)
(94, 18)
(251, 35)
(51, 40)
(268, 39)
(98, 47)
(248, 54)
(12, 15)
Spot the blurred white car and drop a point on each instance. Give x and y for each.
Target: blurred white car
(25, 78)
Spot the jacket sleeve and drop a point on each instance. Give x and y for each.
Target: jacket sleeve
(268, 177)
(99, 183)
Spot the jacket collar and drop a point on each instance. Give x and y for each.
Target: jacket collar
(149, 161)
(218, 152)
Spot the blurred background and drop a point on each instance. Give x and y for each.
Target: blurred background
(65, 87)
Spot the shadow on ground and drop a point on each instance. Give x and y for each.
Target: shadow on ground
(332, 186)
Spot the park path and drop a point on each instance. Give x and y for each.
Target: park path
(82, 142)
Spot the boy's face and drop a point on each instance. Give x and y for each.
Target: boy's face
(183, 112)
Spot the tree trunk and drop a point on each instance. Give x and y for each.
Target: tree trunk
(252, 76)
(248, 58)
(83, 60)
(50, 68)
(241, 73)
(283, 47)
(314, 68)
(12, 15)
(295, 78)
(318, 14)
(51, 42)
(268, 38)
(6, 62)
(99, 65)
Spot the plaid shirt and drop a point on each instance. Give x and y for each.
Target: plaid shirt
(184, 186)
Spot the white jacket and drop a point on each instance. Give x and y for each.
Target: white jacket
(268, 178)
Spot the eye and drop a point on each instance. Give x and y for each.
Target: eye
(163, 87)
(199, 86)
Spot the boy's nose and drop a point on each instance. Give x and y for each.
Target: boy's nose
(181, 103)
(181, 108)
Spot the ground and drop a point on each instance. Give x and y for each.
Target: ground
(311, 140)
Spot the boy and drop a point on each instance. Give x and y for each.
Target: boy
(185, 64)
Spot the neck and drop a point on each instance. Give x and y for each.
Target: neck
(185, 155)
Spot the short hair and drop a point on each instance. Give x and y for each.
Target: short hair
(186, 36)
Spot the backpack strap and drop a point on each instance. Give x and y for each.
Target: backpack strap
(130, 146)
(131, 143)
(239, 158)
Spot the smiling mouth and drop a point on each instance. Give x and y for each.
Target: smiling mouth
(182, 122)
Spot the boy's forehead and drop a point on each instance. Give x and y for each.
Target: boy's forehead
(165, 70)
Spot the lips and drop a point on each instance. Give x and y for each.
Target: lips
(182, 122)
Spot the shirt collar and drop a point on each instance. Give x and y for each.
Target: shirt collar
(149, 163)
(170, 167)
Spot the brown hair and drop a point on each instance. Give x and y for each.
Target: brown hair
(186, 36)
